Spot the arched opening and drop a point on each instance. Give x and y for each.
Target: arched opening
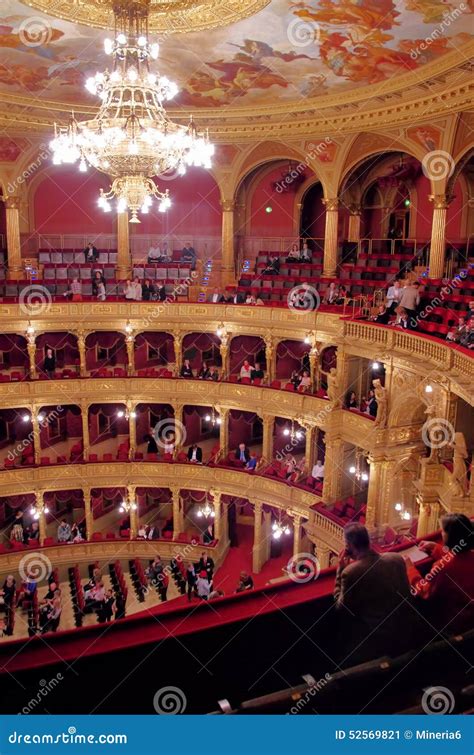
(313, 216)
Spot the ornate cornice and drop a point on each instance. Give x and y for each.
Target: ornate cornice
(445, 85)
(166, 16)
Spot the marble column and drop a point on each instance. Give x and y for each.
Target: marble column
(124, 262)
(12, 216)
(228, 248)
(438, 235)
(353, 231)
(330, 260)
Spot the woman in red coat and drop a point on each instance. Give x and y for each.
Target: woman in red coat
(448, 587)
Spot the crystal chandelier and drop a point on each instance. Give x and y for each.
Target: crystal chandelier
(127, 507)
(280, 528)
(358, 469)
(294, 434)
(213, 418)
(132, 138)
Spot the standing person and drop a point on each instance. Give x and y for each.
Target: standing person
(394, 294)
(98, 285)
(191, 580)
(74, 292)
(372, 599)
(148, 290)
(137, 289)
(49, 365)
(189, 255)
(64, 532)
(160, 291)
(186, 369)
(203, 586)
(206, 564)
(409, 301)
(129, 290)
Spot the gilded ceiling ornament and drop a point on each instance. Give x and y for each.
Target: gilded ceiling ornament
(166, 16)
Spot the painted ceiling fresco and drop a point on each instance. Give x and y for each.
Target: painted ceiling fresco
(287, 52)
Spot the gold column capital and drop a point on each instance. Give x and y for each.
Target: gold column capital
(331, 203)
(440, 201)
(227, 205)
(12, 203)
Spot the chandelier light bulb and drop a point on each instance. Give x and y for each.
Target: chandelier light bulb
(352, 470)
(120, 414)
(26, 418)
(207, 417)
(122, 39)
(286, 431)
(141, 41)
(41, 417)
(154, 50)
(133, 415)
(33, 510)
(218, 421)
(108, 46)
(83, 166)
(375, 366)
(406, 516)
(429, 389)
(365, 476)
(398, 507)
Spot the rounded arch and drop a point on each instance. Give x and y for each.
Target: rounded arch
(380, 146)
(262, 154)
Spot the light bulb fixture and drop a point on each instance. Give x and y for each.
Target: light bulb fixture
(280, 528)
(128, 328)
(37, 509)
(30, 329)
(405, 515)
(26, 418)
(292, 432)
(221, 331)
(213, 417)
(127, 507)
(132, 138)
(206, 511)
(41, 417)
(428, 388)
(126, 413)
(376, 366)
(358, 470)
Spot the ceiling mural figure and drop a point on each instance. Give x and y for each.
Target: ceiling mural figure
(301, 50)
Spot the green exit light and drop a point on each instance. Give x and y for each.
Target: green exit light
(268, 209)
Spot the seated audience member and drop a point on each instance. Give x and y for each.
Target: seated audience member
(460, 329)
(371, 407)
(204, 372)
(402, 319)
(242, 453)
(151, 444)
(394, 294)
(195, 454)
(246, 370)
(372, 597)
(64, 532)
(293, 254)
(91, 254)
(470, 312)
(252, 462)
(213, 374)
(467, 339)
(186, 369)
(448, 588)
(216, 594)
(318, 470)
(451, 335)
(351, 401)
(382, 316)
(235, 298)
(7, 593)
(305, 382)
(160, 291)
(295, 379)
(52, 614)
(169, 444)
(129, 290)
(148, 290)
(28, 588)
(256, 373)
(332, 294)
(96, 596)
(17, 532)
(32, 532)
(289, 466)
(249, 299)
(141, 534)
(342, 295)
(74, 292)
(98, 286)
(154, 253)
(189, 255)
(305, 254)
(94, 580)
(272, 267)
(245, 582)
(208, 535)
(259, 302)
(203, 586)
(49, 364)
(155, 569)
(216, 297)
(206, 564)
(76, 534)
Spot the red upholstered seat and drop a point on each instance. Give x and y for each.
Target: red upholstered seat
(275, 384)
(110, 536)
(96, 536)
(182, 457)
(48, 541)
(108, 457)
(245, 381)
(44, 460)
(93, 457)
(289, 387)
(167, 457)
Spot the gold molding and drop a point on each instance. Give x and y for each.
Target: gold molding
(166, 16)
